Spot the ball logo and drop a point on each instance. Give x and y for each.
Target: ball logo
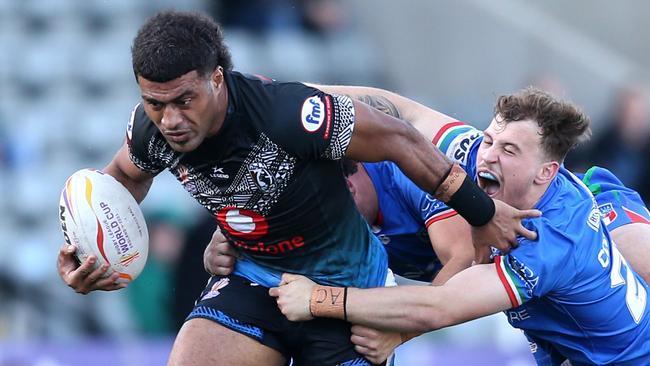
(313, 114)
(243, 223)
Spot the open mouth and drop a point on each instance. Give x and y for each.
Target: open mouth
(489, 183)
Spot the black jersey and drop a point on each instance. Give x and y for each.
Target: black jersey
(271, 179)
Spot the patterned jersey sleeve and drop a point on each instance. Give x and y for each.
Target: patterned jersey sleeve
(310, 123)
(460, 143)
(618, 204)
(433, 210)
(536, 268)
(140, 137)
(421, 204)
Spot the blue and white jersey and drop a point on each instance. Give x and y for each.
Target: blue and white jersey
(571, 289)
(405, 213)
(618, 204)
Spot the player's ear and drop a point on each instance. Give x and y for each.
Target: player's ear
(547, 172)
(217, 76)
(351, 187)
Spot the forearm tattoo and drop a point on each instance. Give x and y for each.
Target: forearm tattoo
(382, 104)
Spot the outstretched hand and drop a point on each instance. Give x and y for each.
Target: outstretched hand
(293, 296)
(83, 278)
(501, 232)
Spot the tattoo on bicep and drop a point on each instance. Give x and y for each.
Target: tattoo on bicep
(382, 104)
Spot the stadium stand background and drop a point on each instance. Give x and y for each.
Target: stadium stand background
(67, 89)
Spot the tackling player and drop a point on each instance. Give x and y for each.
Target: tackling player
(381, 185)
(424, 238)
(571, 291)
(622, 210)
(261, 156)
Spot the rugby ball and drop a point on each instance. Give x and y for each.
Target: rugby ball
(100, 216)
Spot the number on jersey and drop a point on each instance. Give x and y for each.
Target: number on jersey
(635, 295)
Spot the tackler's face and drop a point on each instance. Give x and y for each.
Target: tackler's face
(185, 109)
(509, 160)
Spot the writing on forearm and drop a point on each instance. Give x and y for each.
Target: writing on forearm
(328, 301)
(328, 294)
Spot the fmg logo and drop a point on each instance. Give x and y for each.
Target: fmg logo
(313, 114)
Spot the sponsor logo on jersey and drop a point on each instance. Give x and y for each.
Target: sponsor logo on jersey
(219, 173)
(524, 272)
(281, 247)
(459, 148)
(431, 204)
(313, 114)
(243, 223)
(517, 315)
(214, 291)
(608, 213)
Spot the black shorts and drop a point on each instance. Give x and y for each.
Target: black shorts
(245, 307)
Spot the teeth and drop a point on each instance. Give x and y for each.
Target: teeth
(487, 175)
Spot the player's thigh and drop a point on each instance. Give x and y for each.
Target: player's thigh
(240, 324)
(326, 342)
(202, 342)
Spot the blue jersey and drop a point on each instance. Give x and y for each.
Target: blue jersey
(571, 290)
(405, 213)
(618, 204)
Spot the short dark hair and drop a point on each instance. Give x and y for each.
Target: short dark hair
(171, 44)
(564, 125)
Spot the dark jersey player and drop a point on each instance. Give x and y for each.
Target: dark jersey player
(260, 155)
(255, 177)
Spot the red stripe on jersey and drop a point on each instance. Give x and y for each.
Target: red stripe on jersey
(635, 217)
(504, 281)
(445, 215)
(328, 117)
(444, 129)
(379, 220)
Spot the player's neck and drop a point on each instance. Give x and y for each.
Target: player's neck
(535, 195)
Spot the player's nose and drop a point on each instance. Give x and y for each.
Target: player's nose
(171, 118)
(488, 154)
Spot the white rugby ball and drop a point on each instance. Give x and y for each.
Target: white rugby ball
(100, 216)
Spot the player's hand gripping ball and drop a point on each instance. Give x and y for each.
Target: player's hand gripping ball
(100, 216)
